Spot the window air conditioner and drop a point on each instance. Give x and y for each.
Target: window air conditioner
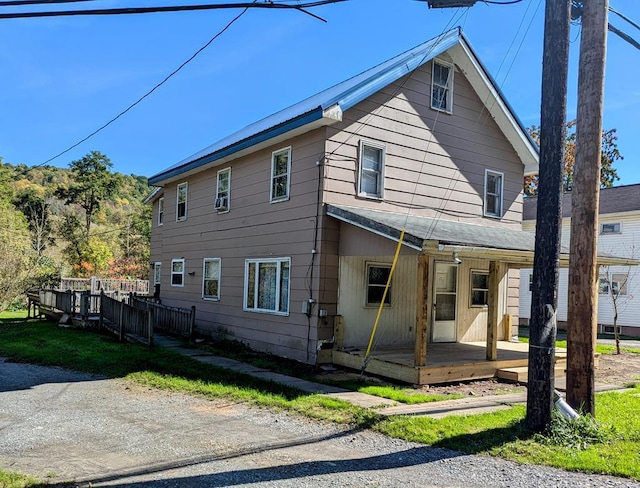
(221, 204)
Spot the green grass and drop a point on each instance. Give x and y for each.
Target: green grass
(15, 480)
(501, 433)
(600, 348)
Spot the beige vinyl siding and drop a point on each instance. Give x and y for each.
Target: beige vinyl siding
(253, 228)
(435, 162)
(397, 322)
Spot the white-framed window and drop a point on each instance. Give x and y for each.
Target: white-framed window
(177, 272)
(181, 202)
(266, 285)
(160, 210)
(479, 288)
(371, 170)
(493, 186)
(442, 86)
(603, 286)
(611, 228)
(280, 173)
(223, 186)
(377, 277)
(211, 279)
(157, 273)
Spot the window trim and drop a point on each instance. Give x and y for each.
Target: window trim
(228, 196)
(613, 232)
(383, 156)
(160, 211)
(173, 261)
(245, 298)
(157, 272)
(273, 199)
(204, 278)
(472, 289)
(500, 213)
(448, 88)
(184, 185)
(375, 264)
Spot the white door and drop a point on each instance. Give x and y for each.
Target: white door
(445, 287)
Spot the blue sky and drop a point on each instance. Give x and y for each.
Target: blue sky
(61, 78)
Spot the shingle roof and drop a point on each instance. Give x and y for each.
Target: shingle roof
(612, 200)
(345, 95)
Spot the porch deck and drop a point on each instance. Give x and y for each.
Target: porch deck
(445, 362)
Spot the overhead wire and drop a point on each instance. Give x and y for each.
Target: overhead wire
(171, 8)
(158, 85)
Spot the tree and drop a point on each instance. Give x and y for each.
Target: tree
(610, 154)
(615, 285)
(37, 212)
(93, 184)
(16, 265)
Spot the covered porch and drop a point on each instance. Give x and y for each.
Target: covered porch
(445, 362)
(436, 329)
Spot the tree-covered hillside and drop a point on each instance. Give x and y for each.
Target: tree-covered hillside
(82, 221)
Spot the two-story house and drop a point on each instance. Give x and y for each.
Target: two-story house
(284, 234)
(619, 235)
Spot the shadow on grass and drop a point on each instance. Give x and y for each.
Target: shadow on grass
(487, 440)
(46, 344)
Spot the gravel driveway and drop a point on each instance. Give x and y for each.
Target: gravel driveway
(102, 432)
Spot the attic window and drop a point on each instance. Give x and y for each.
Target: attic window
(610, 228)
(442, 87)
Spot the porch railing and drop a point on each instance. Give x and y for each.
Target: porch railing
(174, 320)
(126, 320)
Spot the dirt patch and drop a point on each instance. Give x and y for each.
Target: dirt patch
(613, 369)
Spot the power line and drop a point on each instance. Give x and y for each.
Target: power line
(169, 8)
(236, 18)
(11, 3)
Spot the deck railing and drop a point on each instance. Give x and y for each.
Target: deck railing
(126, 320)
(96, 285)
(174, 320)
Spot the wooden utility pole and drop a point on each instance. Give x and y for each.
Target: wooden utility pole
(549, 214)
(583, 267)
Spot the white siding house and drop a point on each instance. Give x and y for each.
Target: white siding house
(619, 235)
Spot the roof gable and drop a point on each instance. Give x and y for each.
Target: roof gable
(327, 107)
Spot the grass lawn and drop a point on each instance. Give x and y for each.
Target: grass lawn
(500, 433)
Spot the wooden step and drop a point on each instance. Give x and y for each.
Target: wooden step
(520, 375)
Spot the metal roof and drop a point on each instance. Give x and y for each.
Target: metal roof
(327, 106)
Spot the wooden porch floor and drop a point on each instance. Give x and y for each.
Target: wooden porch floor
(445, 362)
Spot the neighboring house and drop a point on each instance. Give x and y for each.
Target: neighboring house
(619, 234)
(283, 234)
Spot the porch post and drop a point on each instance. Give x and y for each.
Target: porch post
(420, 353)
(492, 312)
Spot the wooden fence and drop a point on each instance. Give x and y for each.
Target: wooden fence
(126, 320)
(96, 285)
(174, 320)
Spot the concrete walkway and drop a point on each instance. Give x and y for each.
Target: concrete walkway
(382, 406)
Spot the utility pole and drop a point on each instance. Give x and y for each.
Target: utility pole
(555, 62)
(583, 267)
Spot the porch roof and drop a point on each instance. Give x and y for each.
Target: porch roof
(440, 236)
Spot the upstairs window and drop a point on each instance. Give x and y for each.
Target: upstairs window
(442, 87)
(377, 277)
(371, 170)
(211, 279)
(493, 194)
(479, 288)
(157, 273)
(267, 285)
(222, 190)
(610, 228)
(181, 202)
(160, 211)
(280, 171)
(177, 272)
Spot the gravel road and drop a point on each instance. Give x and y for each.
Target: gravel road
(101, 432)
